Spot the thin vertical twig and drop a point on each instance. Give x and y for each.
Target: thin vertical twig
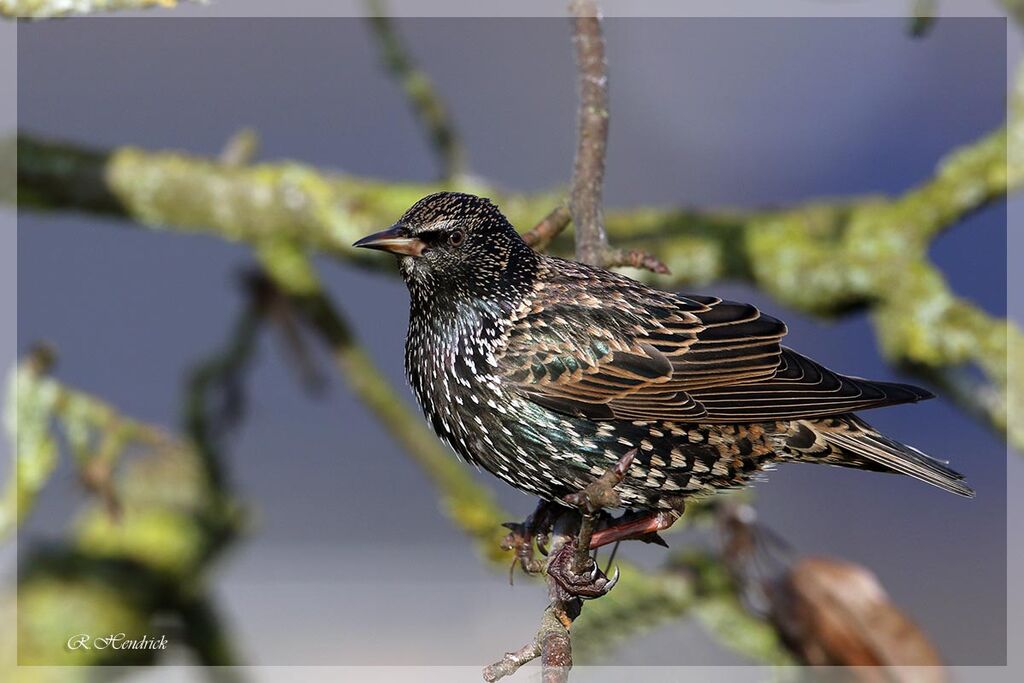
(585, 194)
(592, 133)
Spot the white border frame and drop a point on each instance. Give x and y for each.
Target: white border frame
(542, 8)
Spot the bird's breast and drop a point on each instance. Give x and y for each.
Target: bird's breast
(450, 368)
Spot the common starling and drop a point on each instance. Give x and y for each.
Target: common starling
(546, 372)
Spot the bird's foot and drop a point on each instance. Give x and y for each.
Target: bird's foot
(524, 536)
(586, 583)
(521, 541)
(600, 493)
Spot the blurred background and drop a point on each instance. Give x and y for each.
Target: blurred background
(344, 534)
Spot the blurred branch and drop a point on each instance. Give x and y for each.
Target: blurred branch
(836, 613)
(827, 612)
(923, 17)
(420, 92)
(327, 212)
(214, 398)
(822, 258)
(470, 505)
(145, 571)
(241, 148)
(1015, 9)
(124, 575)
(47, 9)
(97, 436)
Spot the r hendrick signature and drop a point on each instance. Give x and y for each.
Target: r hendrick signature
(116, 641)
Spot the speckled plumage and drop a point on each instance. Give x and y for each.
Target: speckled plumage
(545, 372)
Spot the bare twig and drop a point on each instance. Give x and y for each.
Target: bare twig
(552, 642)
(549, 227)
(598, 495)
(512, 661)
(585, 203)
(241, 148)
(592, 134)
(635, 258)
(423, 98)
(551, 645)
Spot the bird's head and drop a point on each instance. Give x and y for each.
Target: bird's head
(452, 244)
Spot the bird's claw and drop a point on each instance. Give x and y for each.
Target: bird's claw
(541, 539)
(587, 585)
(523, 536)
(613, 580)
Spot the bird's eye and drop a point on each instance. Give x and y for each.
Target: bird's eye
(456, 238)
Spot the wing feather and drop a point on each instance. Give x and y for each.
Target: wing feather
(625, 351)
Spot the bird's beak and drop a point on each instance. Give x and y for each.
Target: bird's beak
(394, 240)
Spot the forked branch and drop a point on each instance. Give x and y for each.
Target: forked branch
(585, 203)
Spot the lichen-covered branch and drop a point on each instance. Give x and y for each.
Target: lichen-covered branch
(420, 92)
(47, 9)
(97, 435)
(822, 258)
(116, 574)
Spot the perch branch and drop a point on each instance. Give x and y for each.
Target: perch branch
(598, 495)
(551, 645)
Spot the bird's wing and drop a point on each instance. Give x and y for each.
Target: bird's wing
(615, 351)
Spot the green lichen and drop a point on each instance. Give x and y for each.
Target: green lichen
(167, 540)
(54, 608)
(48, 9)
(823, 258)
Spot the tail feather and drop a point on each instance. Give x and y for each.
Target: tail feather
(849, 441)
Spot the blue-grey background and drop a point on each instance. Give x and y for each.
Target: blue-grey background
(704, 112)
